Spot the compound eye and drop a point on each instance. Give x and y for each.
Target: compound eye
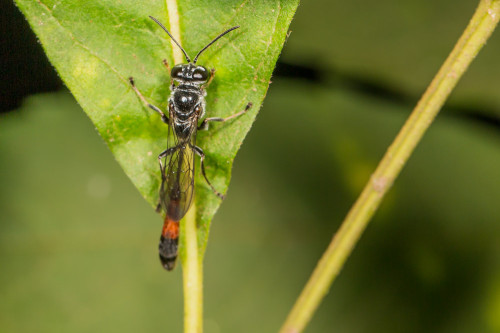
(176, 72)
(200, 73)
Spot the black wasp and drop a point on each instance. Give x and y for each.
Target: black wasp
(186, 106)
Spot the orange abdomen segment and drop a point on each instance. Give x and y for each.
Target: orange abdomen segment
(170, 229)
(168, 243)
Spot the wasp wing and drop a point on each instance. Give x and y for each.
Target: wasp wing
(177, 188)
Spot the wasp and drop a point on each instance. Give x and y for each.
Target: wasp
(186, 108)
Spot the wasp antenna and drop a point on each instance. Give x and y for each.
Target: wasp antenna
(179, 45)
(216, 38)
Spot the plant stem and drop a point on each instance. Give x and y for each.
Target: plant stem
(175, 29)
(474, 37)
(192, 274)
(192, 261)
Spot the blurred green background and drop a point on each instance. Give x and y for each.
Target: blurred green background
(78, 243)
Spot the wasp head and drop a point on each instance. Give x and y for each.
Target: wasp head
(190, 74)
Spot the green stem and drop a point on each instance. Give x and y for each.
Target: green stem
(192, 269)
(175, 29)
(474, 37)
(192, 265)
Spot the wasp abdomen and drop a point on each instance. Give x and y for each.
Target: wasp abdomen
(168, 244)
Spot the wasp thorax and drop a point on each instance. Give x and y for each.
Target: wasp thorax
(186, 101)
(189, 73)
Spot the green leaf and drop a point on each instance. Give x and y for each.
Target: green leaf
(96, 45)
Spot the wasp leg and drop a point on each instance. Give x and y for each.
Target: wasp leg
(204, 124)
(165, 63)
(164, 118)
(200, 153)
(212, 74)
